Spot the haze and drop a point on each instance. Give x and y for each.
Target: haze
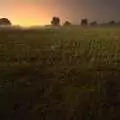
(40, 12)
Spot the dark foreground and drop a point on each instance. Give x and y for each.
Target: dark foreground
(60, 74)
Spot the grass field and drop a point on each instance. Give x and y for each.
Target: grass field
(60, 74)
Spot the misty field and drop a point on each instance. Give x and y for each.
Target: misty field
(60, 74)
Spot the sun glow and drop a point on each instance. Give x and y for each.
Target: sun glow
(36, 13)
(29, 15)
(30, 22)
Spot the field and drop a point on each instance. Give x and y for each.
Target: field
(60, 74)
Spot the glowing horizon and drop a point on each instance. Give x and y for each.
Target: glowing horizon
(27, 14)
(40, 12)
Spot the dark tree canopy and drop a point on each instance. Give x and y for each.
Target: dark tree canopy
(55, 21)
(5, 21)
(67, 23)
(84, 22)
(111, 22)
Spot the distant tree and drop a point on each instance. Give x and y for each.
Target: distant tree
(112, 22)
(84, 22)
(67, 23)
(93, 23)
(5, 22)
(55, 21)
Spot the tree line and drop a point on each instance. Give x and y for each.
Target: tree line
(84, 22)
(56, 21)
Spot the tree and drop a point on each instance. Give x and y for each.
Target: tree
(55, 21)
(67, 23)
(84, 22)
(5, 22)
(112, 22)
(93, 23)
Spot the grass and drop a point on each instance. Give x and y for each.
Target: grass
(60, 74)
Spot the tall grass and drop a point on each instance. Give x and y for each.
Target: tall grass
(60, 74)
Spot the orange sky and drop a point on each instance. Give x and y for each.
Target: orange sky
(28, 14)
(40, 12)
(33, 12)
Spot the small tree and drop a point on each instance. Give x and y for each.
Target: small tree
(67, 23)
(84, 22)
(5, 22)
(112, 22)
(55, 21)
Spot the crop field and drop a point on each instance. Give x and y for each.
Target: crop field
(60, 74)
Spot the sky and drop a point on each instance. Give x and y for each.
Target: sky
(40, 12)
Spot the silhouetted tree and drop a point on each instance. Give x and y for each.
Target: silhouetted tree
(93, 23)
(5, 22)
(67, 23)
(111, 22)
(84, 22)
(55, 21)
